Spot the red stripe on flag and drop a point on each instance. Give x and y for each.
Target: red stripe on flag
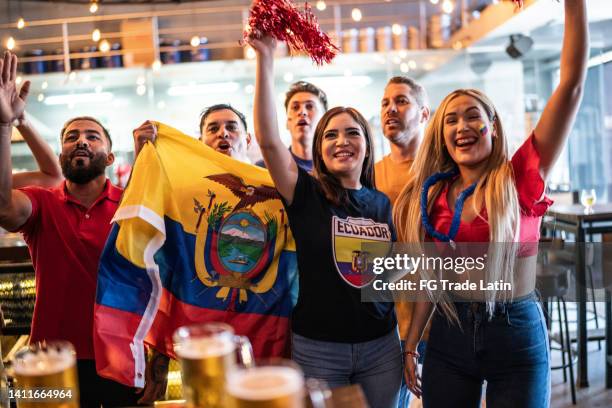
(268, 334)
(114, 331)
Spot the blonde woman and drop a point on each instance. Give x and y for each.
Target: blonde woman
(465, 188)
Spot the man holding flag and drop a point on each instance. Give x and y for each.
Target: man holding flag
(65, 228)
(208, 241)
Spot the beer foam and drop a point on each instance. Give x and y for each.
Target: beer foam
(264, 383)
(44, 362)
(204, 347)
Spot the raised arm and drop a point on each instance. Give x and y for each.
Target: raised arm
(15, 206)
(278, 160)
(50, 172)
(560, 112)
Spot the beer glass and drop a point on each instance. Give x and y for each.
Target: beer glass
(274, 384)
(45, 375)
(207, 352)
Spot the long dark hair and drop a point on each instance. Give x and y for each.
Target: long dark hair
(330, 184)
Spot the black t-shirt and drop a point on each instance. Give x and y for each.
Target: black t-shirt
(329, 306)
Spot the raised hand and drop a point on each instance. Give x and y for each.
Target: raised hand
(142, 134)
(263, 44)
(12, 103)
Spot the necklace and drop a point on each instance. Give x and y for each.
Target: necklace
(454, 228)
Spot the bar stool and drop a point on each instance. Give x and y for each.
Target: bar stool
(552, 282)
(563, 254)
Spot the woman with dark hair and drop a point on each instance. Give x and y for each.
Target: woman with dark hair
(335, 336)
(465, 188)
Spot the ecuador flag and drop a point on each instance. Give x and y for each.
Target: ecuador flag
(198, 237)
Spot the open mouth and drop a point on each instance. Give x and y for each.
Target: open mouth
(392, 122)
(302, 122)
(224, 147)
(343, 154)
(465, 141)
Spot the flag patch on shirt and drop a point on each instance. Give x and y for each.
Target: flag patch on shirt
(349, 236)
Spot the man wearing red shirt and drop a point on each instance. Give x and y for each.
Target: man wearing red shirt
(65, 228)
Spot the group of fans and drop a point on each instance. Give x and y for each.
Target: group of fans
(447, 178)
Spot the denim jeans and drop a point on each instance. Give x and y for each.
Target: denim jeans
(509, 351)
(376, 365)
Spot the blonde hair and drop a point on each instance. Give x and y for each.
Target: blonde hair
(496, 187)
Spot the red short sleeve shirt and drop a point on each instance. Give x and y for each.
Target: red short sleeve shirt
(533, 203)
(65, 241)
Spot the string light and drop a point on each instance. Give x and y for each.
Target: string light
(95, 35)
(93, 6)
(20, 23)
(104, 46)
(448, 6)
(10, 43)
(321, 5)
(356, 14)
(250, 53)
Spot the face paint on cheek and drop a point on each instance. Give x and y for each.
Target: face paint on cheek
(483, 129)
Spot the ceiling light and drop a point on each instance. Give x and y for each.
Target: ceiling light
(104, 46)
(95, 35)
(44, 85)
(321, 5)
(340, 82)
(433, 1)
(448, 6)
(404, 67)
(288, 77)
(41, 97)
(156, 65)
(195, 41)
(250, 53)
(141, 90)
(210, 88)
(71, 99)
(249, 89)
(356, 14)
(20, 23)
(10, 43)
(93, 6)
(396, 29)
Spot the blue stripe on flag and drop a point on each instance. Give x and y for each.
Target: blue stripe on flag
(121, 284)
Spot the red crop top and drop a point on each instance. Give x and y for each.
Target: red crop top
(530, 187)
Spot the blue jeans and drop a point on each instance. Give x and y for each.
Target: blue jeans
(376, 365)
(509, 351)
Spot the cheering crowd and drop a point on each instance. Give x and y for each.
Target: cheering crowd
(448, 178)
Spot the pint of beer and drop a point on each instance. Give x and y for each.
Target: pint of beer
(275, 383)
(45, 376)
(207, 353)
(266, 387)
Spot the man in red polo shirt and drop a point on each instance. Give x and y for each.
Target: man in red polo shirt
(65, 228)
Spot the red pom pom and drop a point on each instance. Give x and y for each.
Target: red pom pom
(298, 28)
